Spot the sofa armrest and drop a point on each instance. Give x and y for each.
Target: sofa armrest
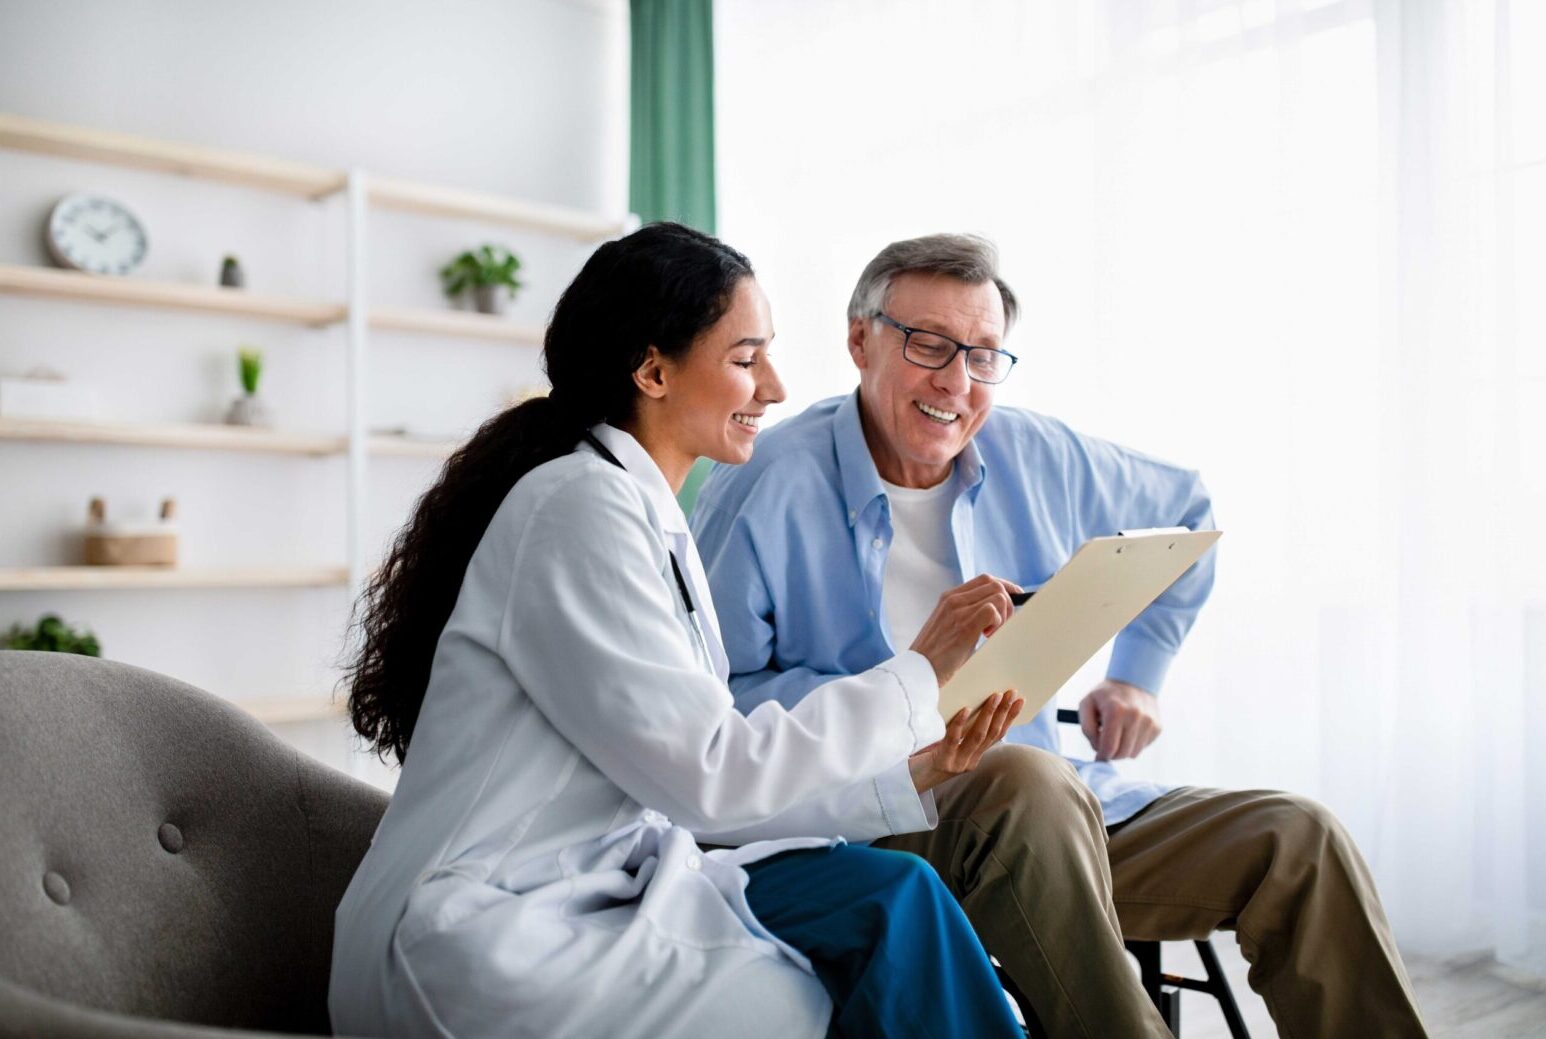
(25, 1014)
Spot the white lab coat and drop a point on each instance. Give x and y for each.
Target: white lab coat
(518, 885)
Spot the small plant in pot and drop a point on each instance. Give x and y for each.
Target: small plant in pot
(249, 409)
(489, 271)
(52, 635)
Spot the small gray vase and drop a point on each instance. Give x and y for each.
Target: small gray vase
(249, 410)
(489, 299)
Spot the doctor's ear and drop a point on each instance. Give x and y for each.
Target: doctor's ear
(859, 340)
(650, 377)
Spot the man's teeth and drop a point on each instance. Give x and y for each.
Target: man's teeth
(747, 420)
(937, 413)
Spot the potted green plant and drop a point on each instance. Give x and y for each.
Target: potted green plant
(489, 271)
(52, 635)
(248, 409)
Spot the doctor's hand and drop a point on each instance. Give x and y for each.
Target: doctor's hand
(1119, 719)
(967, 738)
(977, 608)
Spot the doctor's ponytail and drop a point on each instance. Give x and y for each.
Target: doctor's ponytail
(662, 286)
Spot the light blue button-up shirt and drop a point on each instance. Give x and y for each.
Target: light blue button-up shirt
(795, 543)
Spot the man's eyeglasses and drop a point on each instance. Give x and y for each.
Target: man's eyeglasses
(932, 350)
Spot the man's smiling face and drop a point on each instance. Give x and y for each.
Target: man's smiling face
(917, 420)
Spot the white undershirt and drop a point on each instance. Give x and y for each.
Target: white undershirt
(921, 565)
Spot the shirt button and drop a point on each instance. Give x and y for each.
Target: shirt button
(853, 514)
(652, 816)
(877, 544)
(694, 862)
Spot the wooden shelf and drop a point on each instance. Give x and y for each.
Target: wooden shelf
(432, 200)
(284, 710)
(461, 323)
(100, 288)
(196, 437)
(93, 578)
(214, 438)
(406, 447)
(118, 149)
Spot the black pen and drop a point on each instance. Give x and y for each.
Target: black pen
(1021, 598)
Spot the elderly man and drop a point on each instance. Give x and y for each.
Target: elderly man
(828, 551)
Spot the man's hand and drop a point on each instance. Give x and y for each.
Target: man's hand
(1119, 719)
(967, 738)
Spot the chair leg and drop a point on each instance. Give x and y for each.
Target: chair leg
(1165, 999)
(1218, 985)
(1033, 1028)
(1170, 1010)
(1147, 954)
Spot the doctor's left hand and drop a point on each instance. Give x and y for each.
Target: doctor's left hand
(967, 738)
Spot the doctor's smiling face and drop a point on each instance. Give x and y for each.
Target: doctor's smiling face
(709, 401)
(918, 419)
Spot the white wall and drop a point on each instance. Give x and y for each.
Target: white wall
(526, 98)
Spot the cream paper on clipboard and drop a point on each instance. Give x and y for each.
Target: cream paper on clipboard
(1096, 594)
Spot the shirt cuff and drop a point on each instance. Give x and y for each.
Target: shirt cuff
(905, 810)
(1138, 661)
(915, 674)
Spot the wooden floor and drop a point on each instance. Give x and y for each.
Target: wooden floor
(1460, 1000)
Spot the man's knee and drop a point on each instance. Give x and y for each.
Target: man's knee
(1305, 831)
(1014, 767)
(1024, 788)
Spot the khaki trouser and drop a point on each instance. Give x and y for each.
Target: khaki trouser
(1022, 845)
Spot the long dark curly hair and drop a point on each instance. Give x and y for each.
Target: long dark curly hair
(661, 286)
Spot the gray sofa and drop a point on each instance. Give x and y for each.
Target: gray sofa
(168, 867)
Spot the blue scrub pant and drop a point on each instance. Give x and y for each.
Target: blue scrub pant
(887, 939)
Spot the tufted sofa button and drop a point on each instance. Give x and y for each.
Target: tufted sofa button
(56, 888)
(171, 838)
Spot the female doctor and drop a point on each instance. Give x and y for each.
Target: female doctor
(542, 636)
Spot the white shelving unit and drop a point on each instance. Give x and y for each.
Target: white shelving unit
(102, 288)
(147, 578)
(361, 191)
(291, 710)
(453, 323)
(198, 437)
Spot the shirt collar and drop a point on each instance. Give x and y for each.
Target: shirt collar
(856, 466)
(643, 469)
(861, 480)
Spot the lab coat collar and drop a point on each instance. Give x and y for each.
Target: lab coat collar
(673, 524)
(642, 468)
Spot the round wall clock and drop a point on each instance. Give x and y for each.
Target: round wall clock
(96, 234)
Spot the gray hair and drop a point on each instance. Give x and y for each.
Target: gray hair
(969, 257)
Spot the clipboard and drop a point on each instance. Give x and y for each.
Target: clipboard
(1096, 594)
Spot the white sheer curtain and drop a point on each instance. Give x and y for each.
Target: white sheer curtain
(1300, 246)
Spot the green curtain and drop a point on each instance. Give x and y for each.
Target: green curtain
(671, 168)
(671, 153)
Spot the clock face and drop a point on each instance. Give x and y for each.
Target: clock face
(96, 234)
